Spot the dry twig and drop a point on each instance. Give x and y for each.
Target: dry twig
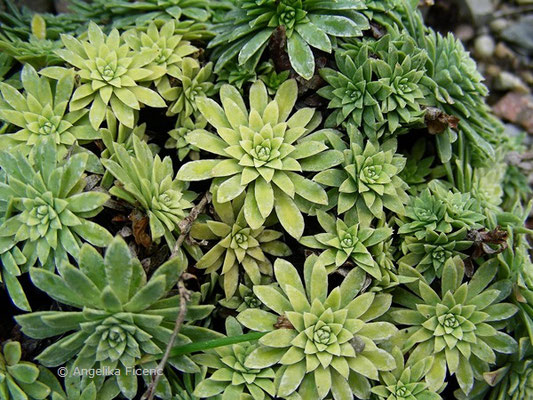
(185, 227)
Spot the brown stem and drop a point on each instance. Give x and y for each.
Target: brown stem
(185, 226)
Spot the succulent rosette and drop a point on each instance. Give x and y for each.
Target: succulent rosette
(351, 91)
(196, 81)
(231, 376)
(178, 137)
(41, 112)
(347, 240)
(463, 210)
(378, 86)
(49, 210)
(20, 379)
(306, 24)
(171, 51)
(123, 315)
(261, 155)
(148, 181)
(424, 212)
(430, 253)
(460, 327)
(109, 71)
(368, 180)
(405, 382)
(327, 344)
(239, 246)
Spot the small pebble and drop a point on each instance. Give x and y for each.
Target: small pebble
(493, 70)
(527, 76)
(484, 46)
(507, 81)
(502, 51)
(464, 32)
(499, 24)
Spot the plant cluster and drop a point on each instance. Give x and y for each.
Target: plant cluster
(257, 199)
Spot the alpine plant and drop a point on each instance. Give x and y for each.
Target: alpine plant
(459, 90)
(378, 86)
(40, 111)
(147, 181)
(405, 382)
(460, 326)
(260, 154)
(179, 141)
(355, 218)
(463, 210)
(430, 253)
(50, 211)
(239, 247)
(514, 380)
(367, 181)
(196, 81)
(122, 315)
(20, 379)
(321, 344)
(171, 51)
(125, 13)
(307, 24)
(230, 376)
(347, 240)
(12, 260)
(110, 72)
(115, 132)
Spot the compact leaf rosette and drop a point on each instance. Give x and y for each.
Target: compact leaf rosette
(256, 199)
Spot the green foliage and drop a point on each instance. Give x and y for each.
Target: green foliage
(394, 15)
(347, 240)
(109, 71)
(98, 389)
(178, 137)
(12, 260)
(41, 112)
(213, 133)
(261, 154)
(147, 182)
(461, 327)
(368, 180)
(430, 253)
(116, 132)
(271, 78)
(514, 380)
(459, 91)
(125, 14)
(196, 82)
(124, 317)
(405, 382)
(379, 87)
(418, 168)
(327, 343)
(47, 207)
(20, 379)
(231, 376)
(183, 389)
(440, 211)
(306, 24)
(171, 51)
(238, 245)
(236, 76)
